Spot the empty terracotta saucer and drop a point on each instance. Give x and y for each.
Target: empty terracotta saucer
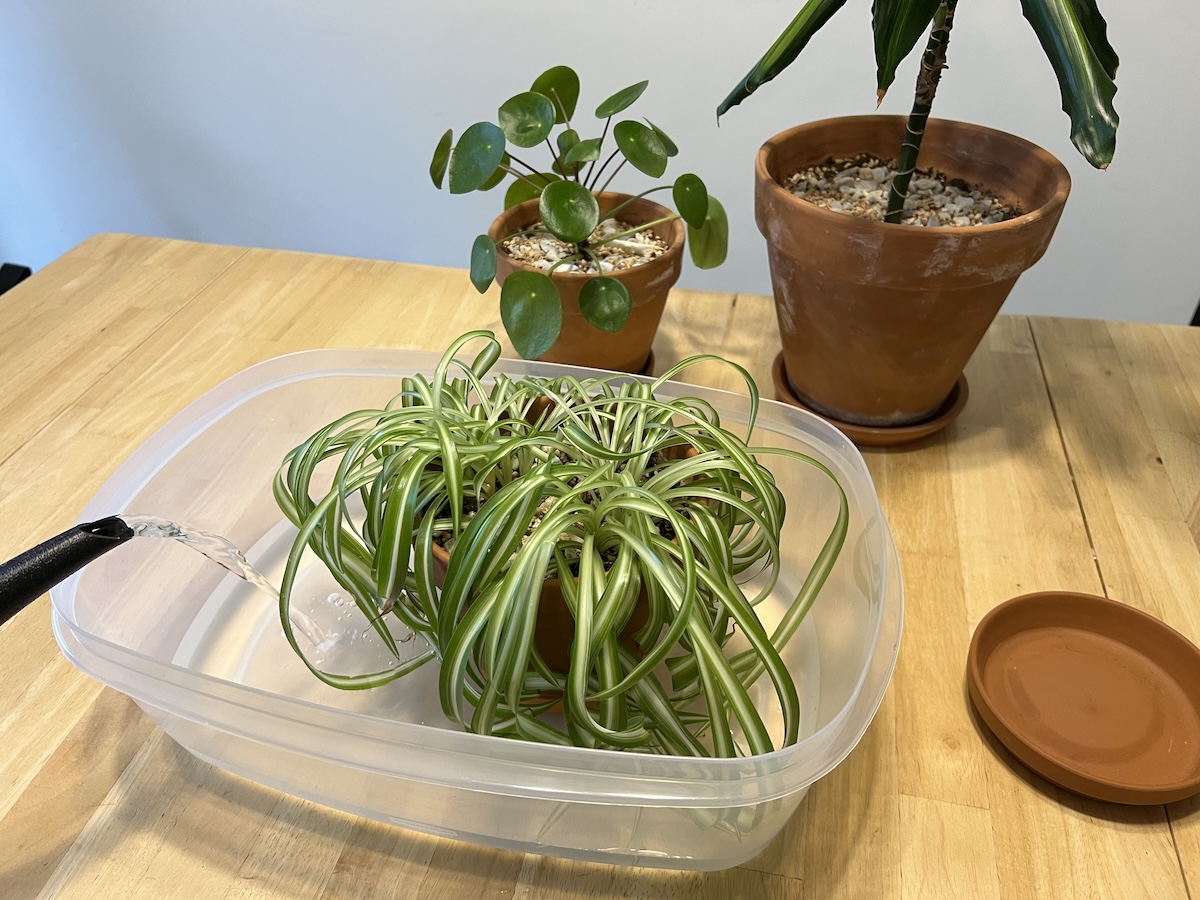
(878, 435)
(1093, 695)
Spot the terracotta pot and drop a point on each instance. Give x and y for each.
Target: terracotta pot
(877, 321)
(580, 343)
(555, 628)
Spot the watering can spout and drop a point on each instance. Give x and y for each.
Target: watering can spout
(28, 576)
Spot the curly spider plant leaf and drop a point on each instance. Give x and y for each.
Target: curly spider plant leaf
(898, 25)
(1084, 75)
(569, 211)
(475, 158)
(710, 242)
(621, 100)
(605, 303)
(641, 147)
(786, 48)
(561, 85)
(483, 263)
(527, 119)
(531, 311)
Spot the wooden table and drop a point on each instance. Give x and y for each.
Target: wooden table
(1076, 465)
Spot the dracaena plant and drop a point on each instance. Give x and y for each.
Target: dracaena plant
(579, 480)
(1072, 33)
(579, 169)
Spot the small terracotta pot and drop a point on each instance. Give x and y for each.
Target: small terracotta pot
(580, 343)
(878, 320)
(555, 628)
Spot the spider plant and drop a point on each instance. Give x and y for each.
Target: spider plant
(1073, 34)
(567, 190)
(581, 480)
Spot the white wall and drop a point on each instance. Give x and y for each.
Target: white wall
(308, 125)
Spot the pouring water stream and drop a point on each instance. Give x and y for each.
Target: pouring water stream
(225, 554)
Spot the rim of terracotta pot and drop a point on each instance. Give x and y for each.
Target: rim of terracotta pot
(639, 212)
(768, 177)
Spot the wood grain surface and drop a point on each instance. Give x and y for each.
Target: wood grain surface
(1076, 465)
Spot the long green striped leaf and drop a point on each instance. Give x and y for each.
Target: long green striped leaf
(898, 25)
(1087, 88)
(786, 48)
(1096, 29)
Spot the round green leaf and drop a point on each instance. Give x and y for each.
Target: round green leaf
(641, 147)
(483, 263)
(474, 160)
(498, 175)
(561, 85)
(691, 199)
(531, 311)
(569, 211)
(605, 303)
(521, 190)
(584, 151)
(527, 118)
(710, 243)
(622, 99)
(566, 140)
(668, 144)
(441, 158)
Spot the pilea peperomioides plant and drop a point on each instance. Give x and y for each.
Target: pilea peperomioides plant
(1072, 33)
(581, 168)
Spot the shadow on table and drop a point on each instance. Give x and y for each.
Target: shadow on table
(1110, 812)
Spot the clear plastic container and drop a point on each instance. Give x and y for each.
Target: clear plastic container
(203, 654)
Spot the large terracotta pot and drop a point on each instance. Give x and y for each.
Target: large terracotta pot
(580, 343)
(878, 320)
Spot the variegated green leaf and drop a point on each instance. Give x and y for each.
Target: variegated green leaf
(1087, 90)
(898, 25)
(785, 49)
(1096, 29)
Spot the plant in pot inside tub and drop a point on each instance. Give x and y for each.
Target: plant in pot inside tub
(584, 272)
(882, 296)
(641, 530)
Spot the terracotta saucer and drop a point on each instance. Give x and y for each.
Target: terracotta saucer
(1093, 695)
(877, 435)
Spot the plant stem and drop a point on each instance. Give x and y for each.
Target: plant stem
(603, 135)
(612, 176)
(511, 171)
(933, 60)
(525, 164)
(562, 169)
(616, 209)
(561, 108)
(635, 230)
(611, 157)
